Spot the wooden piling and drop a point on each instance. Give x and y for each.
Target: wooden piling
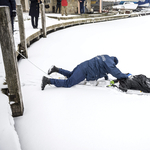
(43, 19)
(22, 45)
(10, 62)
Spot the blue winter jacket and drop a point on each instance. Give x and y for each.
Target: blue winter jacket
(100, 66)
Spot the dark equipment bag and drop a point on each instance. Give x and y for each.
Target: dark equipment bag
(137, 82)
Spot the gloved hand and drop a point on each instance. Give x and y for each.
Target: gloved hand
(113, 82)
(130, 75)
(14, 13)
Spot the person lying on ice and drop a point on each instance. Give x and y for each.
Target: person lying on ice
(90, 70)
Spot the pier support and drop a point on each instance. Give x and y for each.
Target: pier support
(10, 62)
(23, 44)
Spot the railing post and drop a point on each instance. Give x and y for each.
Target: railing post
(10, 62)
(43, 20)
(78, 7)
(22, 45)
(100, 6)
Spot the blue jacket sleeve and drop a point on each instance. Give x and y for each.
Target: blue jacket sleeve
(13, 4)
(114, 71)
(111, 68)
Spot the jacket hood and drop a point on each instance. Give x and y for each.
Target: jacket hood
(115, 59)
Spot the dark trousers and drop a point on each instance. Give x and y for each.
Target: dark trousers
(34, 21)
(58, 6)
(12, 23)
(73, 78)
(81, 8)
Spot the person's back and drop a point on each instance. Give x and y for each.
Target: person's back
(64, 3)
(100, 66)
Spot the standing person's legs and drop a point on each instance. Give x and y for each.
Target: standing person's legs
(56, 8)
(80, 8)
(32, 21)
(62, 10)
(36, 22)
(66, 10)
(76, 77)
(59, 8)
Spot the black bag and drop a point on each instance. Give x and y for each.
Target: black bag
(47, 6)
(138, 82)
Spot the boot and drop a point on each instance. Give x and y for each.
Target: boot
(53, 69)
(45, 81)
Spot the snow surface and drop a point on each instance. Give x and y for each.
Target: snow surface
(8, 137)
(82, 117)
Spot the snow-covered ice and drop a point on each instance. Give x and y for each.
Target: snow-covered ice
(8, 136)
(84, 117)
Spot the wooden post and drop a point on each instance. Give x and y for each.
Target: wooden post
(22, 45)
(78, 7)
(10, 62)
(23, 4)
(43, 20)
(100, 6)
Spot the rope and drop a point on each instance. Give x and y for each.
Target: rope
(32, 63)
